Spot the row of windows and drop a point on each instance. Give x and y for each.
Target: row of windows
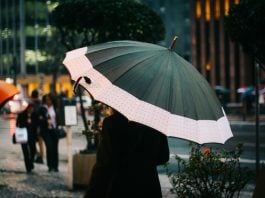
(221, 61)
(206, 8)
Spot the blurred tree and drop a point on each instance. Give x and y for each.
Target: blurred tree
(55, 54)
(245, 25)
(87, 22)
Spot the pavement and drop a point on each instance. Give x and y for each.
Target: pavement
(15, 182)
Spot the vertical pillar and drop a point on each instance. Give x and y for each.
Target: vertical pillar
(212, 44)
(14, 35)
(1, 41)
(70, 158)
(36, 43)
(203, 39)
(22, 36)
(257, 80)
(222, 44)
(7, 38)
(193, 34)
(241, 67)
(232, 68)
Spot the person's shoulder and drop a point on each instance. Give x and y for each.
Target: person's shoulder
(42, 109)
(135, 126)
(115, 118)
(108, 119)
(20, 114)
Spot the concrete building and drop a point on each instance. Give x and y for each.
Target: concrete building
(221, 61)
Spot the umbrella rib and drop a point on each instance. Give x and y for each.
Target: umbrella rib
(133, 67)
(163, 80)
(186, 75)
(204, 94)
(111, 58)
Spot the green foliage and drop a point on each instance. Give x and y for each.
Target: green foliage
(245, 25)
(209, 173)
(87, 22)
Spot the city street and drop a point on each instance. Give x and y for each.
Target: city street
(14, 182)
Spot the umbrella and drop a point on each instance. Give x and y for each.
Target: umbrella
(7, 91)
(222, 94)
(152, 85)
(245, 89)
(246, 92)
(221, 90)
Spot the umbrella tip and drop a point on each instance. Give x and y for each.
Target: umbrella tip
(173, 43)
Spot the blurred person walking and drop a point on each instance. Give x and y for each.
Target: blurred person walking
(49, 121)
(40, 151)
(28, 119)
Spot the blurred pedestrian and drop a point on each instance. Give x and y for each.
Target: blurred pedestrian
(28, 119)
(39, 152)
(127, 156)
(49, 121)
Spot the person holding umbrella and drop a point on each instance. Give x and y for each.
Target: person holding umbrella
(127, 157)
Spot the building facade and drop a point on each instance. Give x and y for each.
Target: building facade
(202, 40)
(220, 60)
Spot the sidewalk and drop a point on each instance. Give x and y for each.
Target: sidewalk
(15, 182)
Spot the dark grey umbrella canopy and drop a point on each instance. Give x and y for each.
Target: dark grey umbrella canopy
(151, 85)
(158, 76)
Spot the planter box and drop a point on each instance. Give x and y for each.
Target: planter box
(82, 168)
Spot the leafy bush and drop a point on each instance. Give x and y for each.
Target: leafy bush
(209, 173)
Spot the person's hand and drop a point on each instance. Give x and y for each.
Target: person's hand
(29, 121)
(49, 123)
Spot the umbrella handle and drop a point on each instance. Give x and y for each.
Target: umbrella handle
(87, 80)
(173, 42)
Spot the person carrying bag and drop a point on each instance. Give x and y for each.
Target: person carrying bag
(20, 136)
(26, 124)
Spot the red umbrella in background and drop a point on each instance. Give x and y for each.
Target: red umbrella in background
(7, 91)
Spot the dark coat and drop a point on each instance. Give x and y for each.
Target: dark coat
(113, 129)
(29, 148)
(43, 117)
(31, 128)
(126, 160)
(137, 170)
(50, 138)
